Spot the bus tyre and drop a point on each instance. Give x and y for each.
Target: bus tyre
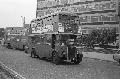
(23, 47)
(78, 59)
(26, 51)
(55, 58)
(119, 61)
(8, 46)
(33, 54)
(14, 48)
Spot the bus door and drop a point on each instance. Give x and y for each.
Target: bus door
(42, 45)
(47, 45)
(39, 45)
(30, 43)
(71, 46)
(13, 42)
(17, 42)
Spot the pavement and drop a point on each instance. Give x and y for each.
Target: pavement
(100, 56)
(8, 73)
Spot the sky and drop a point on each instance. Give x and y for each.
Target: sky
(12, 10)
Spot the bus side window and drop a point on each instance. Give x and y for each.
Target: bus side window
(48, 38)
(55, 18)
(33, 39)
(57, 39)
(42, 38)
(37, 39)
(45, 39)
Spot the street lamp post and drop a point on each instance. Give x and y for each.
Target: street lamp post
(23, 20)
(119, 30)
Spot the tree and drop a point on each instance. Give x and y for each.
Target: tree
(100, 36)
(108, 36)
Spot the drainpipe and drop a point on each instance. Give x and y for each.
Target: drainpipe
(119, 21)
(119, 26)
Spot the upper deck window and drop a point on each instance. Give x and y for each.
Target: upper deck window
(68, 18)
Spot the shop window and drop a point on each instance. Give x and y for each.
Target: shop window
(113, 5)
(83, 19)
(114, 18)
(48, 38)
(84, 31)
(107, 6)
(94, 18)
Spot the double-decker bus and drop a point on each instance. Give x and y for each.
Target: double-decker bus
(15, 37)
(1, 35)
(54, 37)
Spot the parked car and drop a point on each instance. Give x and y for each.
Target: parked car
(116, 56)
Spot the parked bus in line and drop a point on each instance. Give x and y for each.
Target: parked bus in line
(54, 37)
(1, 35)
(15, 37)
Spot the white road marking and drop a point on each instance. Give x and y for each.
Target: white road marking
(16, 74)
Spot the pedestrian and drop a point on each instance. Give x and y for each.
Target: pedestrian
(2, 41)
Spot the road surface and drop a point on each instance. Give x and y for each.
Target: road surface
(33, 68)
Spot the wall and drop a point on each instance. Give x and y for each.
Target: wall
(97, 13)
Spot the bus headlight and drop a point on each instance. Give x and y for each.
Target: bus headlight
(63, 52)
(77, 52)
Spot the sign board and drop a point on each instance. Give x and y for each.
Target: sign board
(61, 29)
(16, 31)
(36, 28)
(48, 28)
(41, 29)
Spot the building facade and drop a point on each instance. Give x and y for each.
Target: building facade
(92, 13)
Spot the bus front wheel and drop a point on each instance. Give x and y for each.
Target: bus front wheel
(8, 46)
(78, 59)
(119, 61)
(55, 58)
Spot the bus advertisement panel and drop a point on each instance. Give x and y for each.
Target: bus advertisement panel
(57, 22)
